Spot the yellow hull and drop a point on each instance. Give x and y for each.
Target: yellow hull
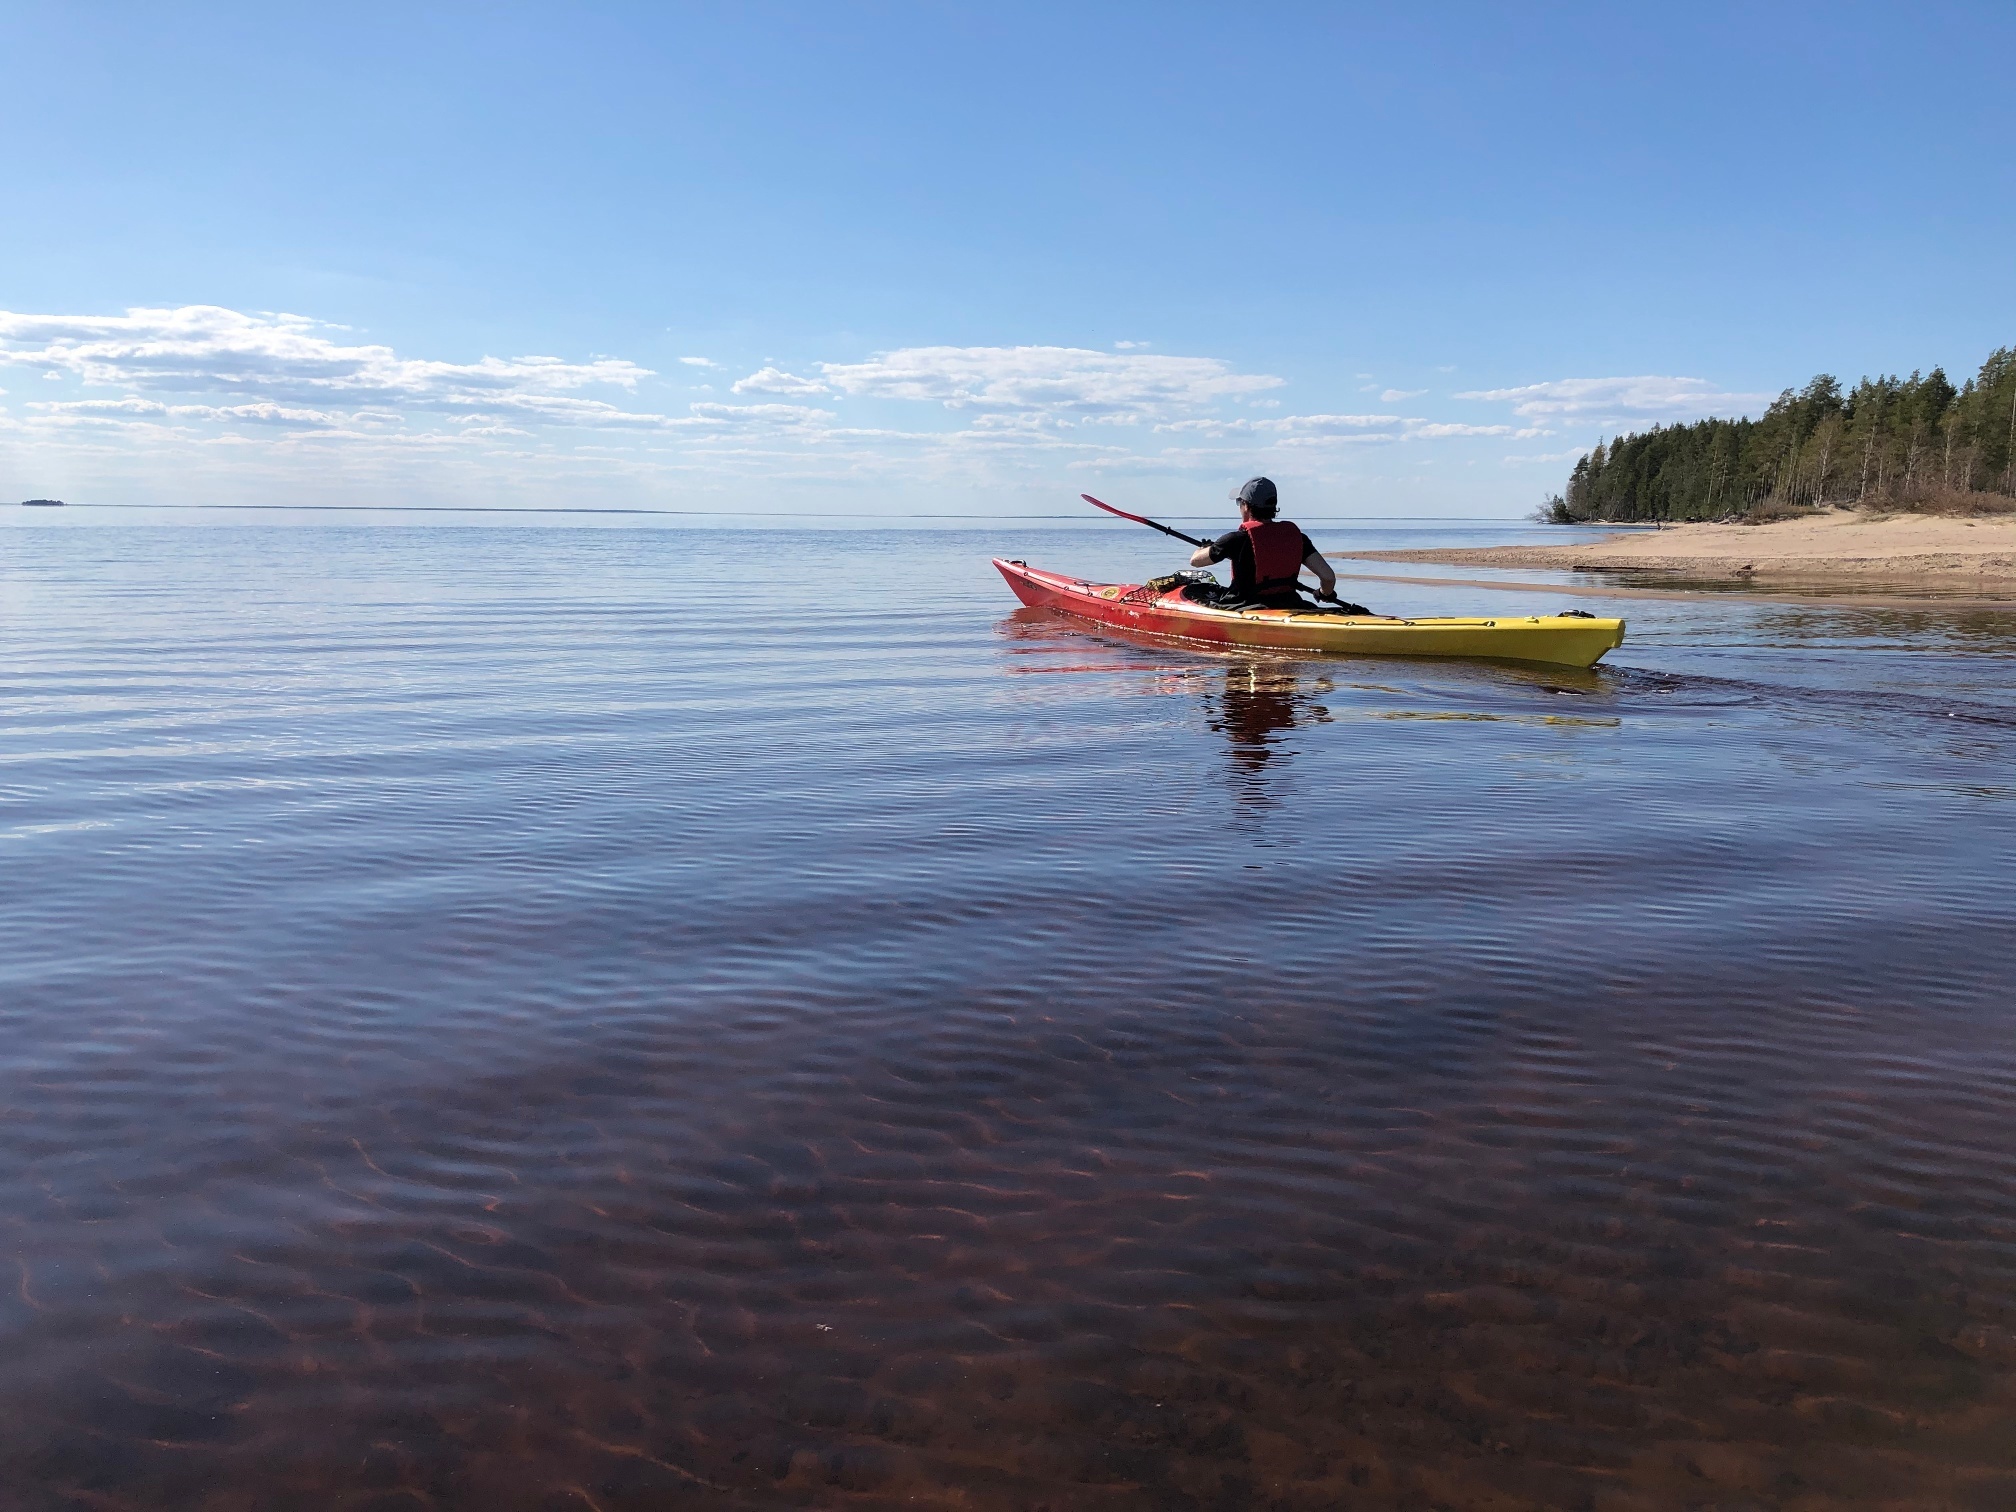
(1558, 639)
(1537, 638)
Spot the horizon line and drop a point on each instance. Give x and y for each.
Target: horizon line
(780, 514)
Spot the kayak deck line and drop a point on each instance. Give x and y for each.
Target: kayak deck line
(1575, 640)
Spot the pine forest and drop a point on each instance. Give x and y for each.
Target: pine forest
(1888, 443)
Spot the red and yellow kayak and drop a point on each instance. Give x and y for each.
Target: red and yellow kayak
(1564, 640)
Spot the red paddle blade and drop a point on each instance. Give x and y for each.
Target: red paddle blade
(1101, 504)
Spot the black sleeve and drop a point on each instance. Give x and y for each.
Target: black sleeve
(1221, 549)
(1308, 547)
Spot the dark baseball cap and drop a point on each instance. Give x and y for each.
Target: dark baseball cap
(1260, 491)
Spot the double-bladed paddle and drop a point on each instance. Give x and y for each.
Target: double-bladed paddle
(1158, 525)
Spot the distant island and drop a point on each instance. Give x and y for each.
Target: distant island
(1914, 444)
(41, 503)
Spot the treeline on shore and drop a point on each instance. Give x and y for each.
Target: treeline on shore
(1894, 443)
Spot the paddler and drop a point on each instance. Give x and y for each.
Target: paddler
(1268, 555)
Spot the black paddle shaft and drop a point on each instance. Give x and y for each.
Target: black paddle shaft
(1192, 540)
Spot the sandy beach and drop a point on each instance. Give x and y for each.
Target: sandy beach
(1837, 544)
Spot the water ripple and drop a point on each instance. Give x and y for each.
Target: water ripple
(553, 1019)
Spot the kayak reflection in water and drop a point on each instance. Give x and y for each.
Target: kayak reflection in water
(1268, 555)
(1258, 702)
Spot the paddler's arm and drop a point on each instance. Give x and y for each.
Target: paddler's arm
(1210, 554)
(1325, 573)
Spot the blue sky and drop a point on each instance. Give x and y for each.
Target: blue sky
(923, 257)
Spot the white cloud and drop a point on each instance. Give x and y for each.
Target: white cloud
(263, 412)
(772, 380)
(1561, 456)
(222, 403)
(1645, 398)
(1394, 396)
(1131, 346)
(1296, 425)
(205, 349)
(1071, 380)
(1332, 425)
(1331, 430)
(762, 414)
(1303, 430)
(131, 405)
(1435, 430)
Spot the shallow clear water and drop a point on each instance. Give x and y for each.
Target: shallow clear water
(553, 1018)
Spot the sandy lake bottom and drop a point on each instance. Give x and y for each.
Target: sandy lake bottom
(620, 1019)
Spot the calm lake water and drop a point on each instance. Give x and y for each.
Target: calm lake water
(620, 1019)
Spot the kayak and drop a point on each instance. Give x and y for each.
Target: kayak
(1568, 640)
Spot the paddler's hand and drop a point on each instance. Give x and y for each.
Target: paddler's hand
(1344, 604)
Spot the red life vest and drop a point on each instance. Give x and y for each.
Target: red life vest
(1277, 554)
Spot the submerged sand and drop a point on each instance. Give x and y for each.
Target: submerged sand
(1839, 543)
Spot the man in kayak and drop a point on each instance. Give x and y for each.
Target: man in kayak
(1268, 555)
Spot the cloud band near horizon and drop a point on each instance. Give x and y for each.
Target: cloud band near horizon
(266, 392)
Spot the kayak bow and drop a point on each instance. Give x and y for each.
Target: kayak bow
(1564, 640)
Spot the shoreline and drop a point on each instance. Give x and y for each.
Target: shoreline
(1836, 600)
(1933, 549)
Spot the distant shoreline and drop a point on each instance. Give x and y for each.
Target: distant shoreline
(1834, 545)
